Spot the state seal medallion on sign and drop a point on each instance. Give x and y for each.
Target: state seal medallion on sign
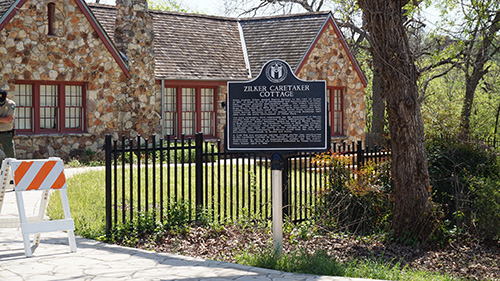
(276, 71)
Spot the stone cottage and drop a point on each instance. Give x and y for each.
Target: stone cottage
(78, 71)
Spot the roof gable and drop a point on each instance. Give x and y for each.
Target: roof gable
(286, 37)
(8, 9)
(330, 20)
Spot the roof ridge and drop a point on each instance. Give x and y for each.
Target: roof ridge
(195, 15)
(271, 17)
(170, 12)
(101, 5)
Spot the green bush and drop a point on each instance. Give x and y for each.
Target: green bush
(465, 179)
(176, 152)
(87, 158)
(357, 201)
(188, 155)
(487, 207)
(148, 227)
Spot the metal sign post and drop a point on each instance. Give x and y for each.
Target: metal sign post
(277, 201)
(274, 114)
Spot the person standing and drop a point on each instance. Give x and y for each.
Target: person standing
(7, 109)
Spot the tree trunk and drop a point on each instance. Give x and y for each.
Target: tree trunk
(378, 111)
(479, 69)
(395, 64)
(470, 89)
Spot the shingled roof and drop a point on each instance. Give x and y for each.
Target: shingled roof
(106, 15)
(189, 46)
(5, 5)
(193, 46)
(284, 37)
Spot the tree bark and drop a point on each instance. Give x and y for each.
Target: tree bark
(398, 73)
(470, 90)
(378, 111)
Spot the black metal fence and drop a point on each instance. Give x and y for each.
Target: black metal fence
(155, 175)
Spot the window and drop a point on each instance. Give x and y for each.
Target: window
(170, 111)
(189, 110)
(51, 11)
(335, 99)
(49, 107)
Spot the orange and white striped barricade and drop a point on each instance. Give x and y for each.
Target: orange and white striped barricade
(43, 175)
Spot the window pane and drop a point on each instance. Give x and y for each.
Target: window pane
(170, 111)
(207, 111)
(188, 127)
(48, 107)
(338, 101)
(24, 107)
(74, 108)
(188, 111)
(329, 105)
(337, 121)
(188, 99)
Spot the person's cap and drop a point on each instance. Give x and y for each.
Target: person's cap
(3, 96)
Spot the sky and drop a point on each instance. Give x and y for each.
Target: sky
(210, 7)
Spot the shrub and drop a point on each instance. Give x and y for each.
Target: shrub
(85, 159)
(176, 152)
(465, 179)
(148, 228)
(354, 200)
(186, 153)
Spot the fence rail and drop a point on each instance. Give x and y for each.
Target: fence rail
(150, 175)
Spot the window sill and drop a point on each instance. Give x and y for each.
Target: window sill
(30, 135)
(338, 137)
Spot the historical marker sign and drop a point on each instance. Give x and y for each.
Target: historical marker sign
(277, 112)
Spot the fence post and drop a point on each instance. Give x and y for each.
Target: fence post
(360, 152)
(199, 172)
(107, 146)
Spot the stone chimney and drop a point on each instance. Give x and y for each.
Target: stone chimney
(134, 39)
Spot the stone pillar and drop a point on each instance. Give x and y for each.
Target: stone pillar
(141, 110)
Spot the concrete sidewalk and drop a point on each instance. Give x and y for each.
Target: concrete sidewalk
(52, 259)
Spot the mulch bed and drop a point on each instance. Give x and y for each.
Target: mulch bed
(467, 259)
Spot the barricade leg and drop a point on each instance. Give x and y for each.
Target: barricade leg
(24, 221)
(41, 213)
(67, 215)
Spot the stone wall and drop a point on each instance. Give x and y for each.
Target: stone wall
(74, 53)
(134, 37)
(221, 111)
(329, 61)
